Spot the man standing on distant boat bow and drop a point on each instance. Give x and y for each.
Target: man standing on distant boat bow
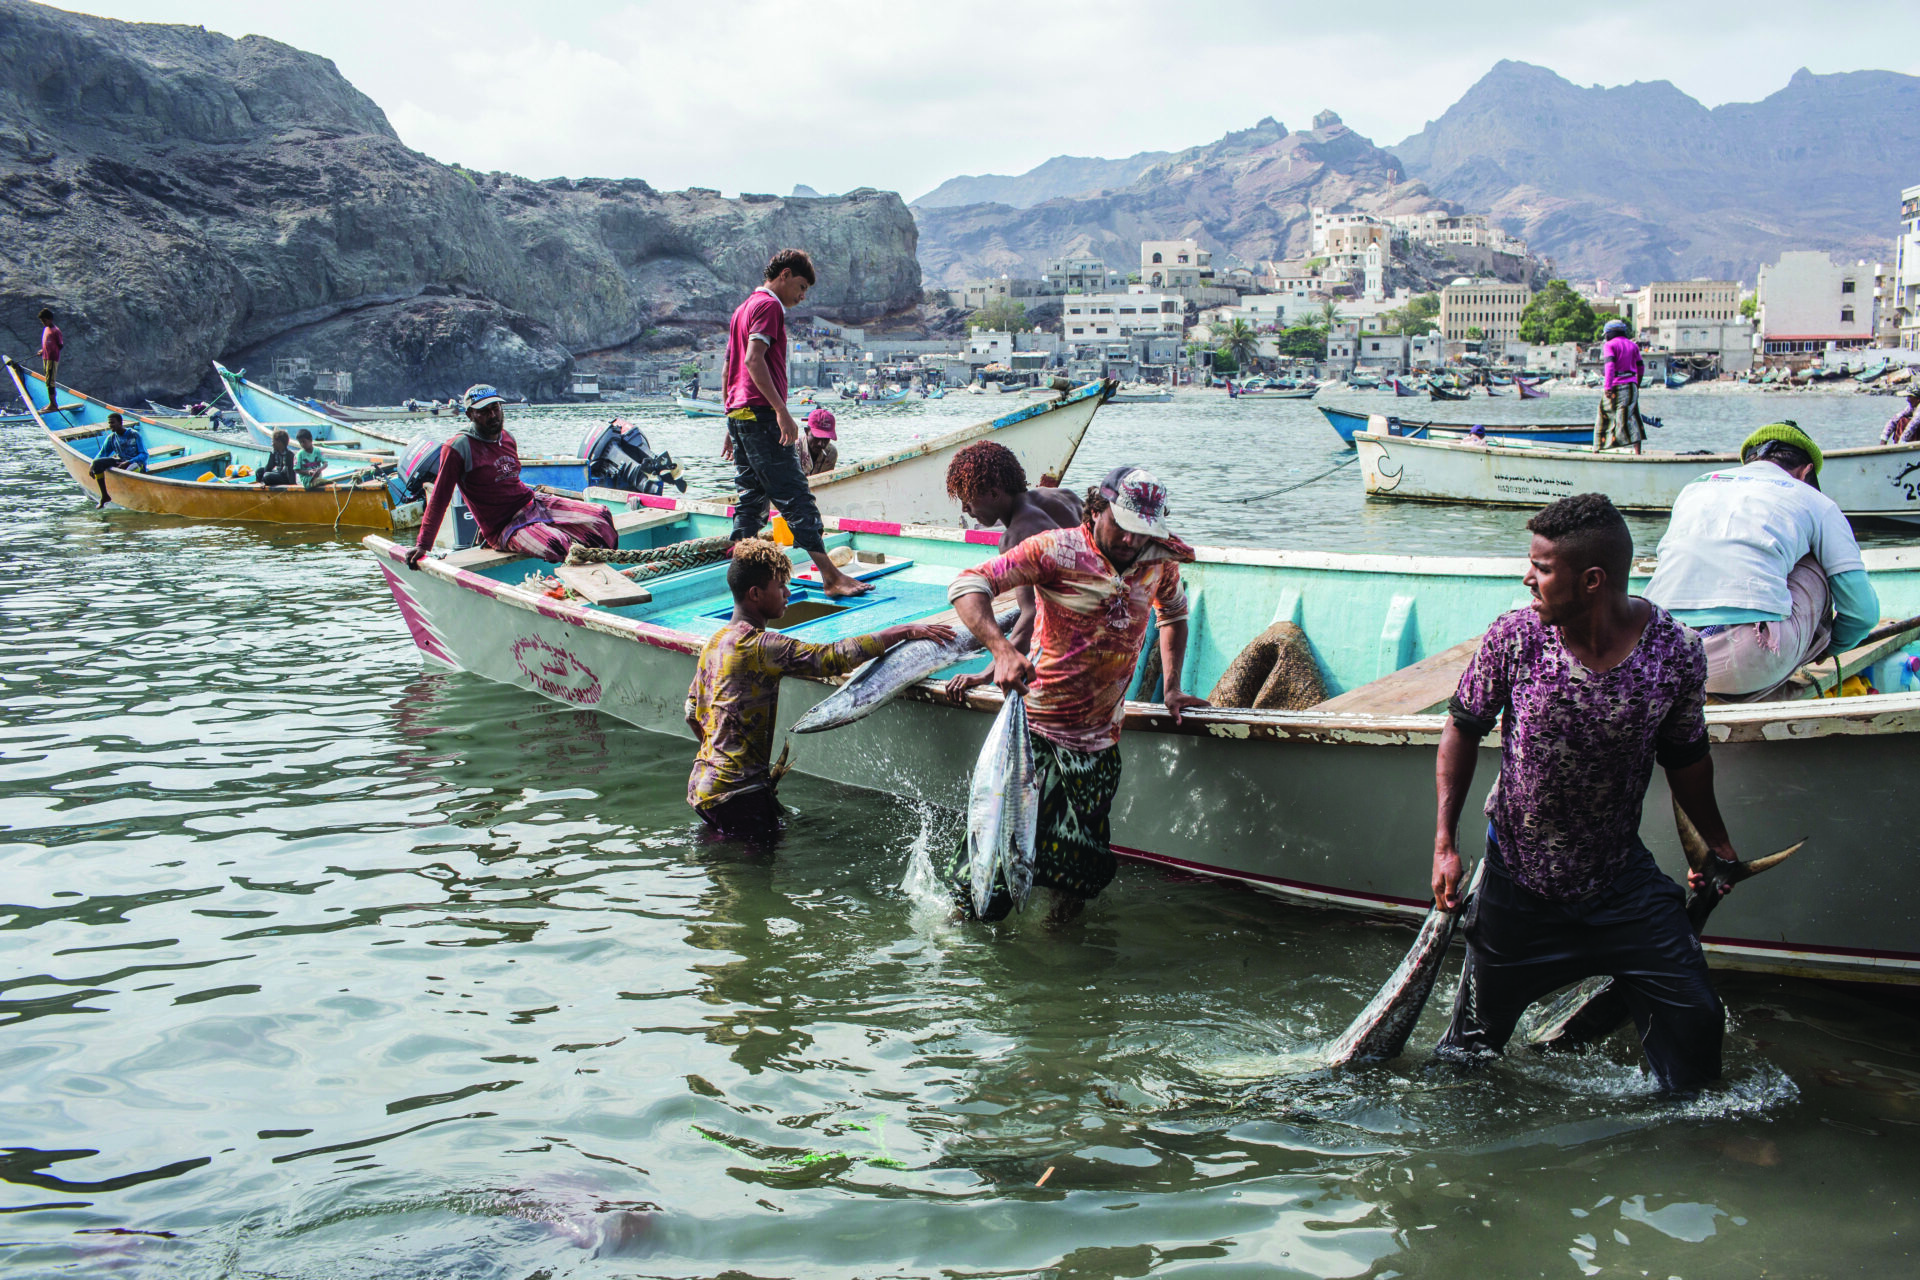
(760, 430)
(1618, 422)
(1096, 583)
(52, 342)
(1595, 687)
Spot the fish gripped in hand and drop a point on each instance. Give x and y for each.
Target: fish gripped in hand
(1382, 1029)
(1003, 809)
(881, 679)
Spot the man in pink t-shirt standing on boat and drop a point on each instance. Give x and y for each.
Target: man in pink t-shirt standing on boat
(760, 431)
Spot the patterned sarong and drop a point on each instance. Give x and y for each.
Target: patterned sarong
(1617, 423)
(1071, 853)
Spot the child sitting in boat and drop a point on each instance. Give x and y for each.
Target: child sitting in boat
(307, 462)
(278, 468)
(482, 461)
(736, 691)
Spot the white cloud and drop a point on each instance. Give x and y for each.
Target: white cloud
(760, 94)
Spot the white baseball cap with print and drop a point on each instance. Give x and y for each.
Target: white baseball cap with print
(1138, 501)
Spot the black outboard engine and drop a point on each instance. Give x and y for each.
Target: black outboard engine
(419, 465)
(618, 456)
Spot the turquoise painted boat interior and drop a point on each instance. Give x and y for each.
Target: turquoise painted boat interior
(1361, 623)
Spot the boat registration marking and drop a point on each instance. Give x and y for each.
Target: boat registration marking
(555, 671)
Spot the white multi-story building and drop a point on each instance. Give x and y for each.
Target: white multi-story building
(1327, 225)
(1099, 318)
(1905, 299)
(1810, 304)
(1175, 264)
(1492, 307)
(1665, 300)
(1467, 230)
(1082, 275)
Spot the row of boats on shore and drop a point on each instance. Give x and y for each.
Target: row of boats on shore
(1329, 803)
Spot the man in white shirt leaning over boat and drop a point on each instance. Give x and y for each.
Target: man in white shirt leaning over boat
(1764, 566)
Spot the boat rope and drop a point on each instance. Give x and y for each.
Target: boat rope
(652, 562)
(1299, 484)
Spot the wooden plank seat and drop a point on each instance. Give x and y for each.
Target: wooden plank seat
(1411, 690)
(214, 460)
(81, 432)
(166, 451)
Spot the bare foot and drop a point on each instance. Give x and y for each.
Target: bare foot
(840, 585)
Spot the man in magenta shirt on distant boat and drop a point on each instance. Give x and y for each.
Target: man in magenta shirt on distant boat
(761, 431)
(482, 461)
(1618, 423)
(51, 343)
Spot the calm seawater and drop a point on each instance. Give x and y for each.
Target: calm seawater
(319, 963)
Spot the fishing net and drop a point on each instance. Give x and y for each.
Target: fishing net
(652, 562)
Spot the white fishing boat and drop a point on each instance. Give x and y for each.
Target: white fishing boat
(909, 485)
(1330, 805)
(1873, 482)
(699, 407)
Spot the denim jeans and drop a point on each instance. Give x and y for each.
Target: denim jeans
(766, 471)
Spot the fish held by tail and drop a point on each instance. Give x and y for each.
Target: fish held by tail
(1003, 810)
(1594, 1010)
(1383, 1027)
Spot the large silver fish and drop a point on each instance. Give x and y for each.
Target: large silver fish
(1595, 1009)
(1003, 809)
(1381, 1030)
(879, 680)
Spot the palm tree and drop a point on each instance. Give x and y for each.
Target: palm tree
(1238, 339)
(1329, 315)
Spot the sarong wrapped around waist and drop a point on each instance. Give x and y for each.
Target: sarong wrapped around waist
(1071, 852)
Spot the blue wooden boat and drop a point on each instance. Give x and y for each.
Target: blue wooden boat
(262, 412)
(1402, 389)
(1346, 422)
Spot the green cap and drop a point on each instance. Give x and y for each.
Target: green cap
(1787, 432)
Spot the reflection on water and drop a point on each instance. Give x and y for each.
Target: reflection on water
(319, 963)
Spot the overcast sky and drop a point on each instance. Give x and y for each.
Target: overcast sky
(757, 95)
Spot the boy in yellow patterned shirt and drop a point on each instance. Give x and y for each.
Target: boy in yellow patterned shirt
(736, 691)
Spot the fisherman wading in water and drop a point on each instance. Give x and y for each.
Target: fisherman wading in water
(1096, 583)
(1596, 687)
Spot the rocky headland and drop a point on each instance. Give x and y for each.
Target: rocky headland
(178, 196)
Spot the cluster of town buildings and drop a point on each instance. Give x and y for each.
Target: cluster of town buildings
(1159, 320)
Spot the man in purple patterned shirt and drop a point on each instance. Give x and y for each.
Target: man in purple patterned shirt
(1596, 687)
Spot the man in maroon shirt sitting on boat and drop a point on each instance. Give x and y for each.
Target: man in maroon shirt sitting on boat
(483, 462)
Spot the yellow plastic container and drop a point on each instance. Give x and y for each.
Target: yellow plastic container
(207, 478)
(782, 534)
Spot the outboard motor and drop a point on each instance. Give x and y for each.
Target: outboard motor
(419, 465)
(619, 456)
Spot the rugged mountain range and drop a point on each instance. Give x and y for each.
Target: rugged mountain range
(179, 196)
(1642, 182)
(1635, 183)
(1248, 196)
(1060, 176)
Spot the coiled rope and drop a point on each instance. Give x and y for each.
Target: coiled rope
(653, 562)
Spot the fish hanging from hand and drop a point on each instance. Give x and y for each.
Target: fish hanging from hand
(1383, 1027)
(1003, 810)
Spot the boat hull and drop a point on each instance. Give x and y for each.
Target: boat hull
(363, 506)
(262, 412)
(1334, 809)
(1346, 423)
(1882, 482)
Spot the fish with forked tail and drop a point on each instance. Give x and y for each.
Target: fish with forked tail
(1003, 809)
(1596, 1009)
(880, 680)
(1382, 1029)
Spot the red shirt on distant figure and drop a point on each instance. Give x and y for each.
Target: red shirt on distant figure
(51, 340)
(761, 317)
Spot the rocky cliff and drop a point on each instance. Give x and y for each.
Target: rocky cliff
(178, 196)
(1249, 195)
(1641, 182)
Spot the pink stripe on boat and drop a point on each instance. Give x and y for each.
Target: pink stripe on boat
(986, 537)
(869, 526)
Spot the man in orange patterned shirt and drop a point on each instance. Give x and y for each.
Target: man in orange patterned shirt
(1097, 582)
